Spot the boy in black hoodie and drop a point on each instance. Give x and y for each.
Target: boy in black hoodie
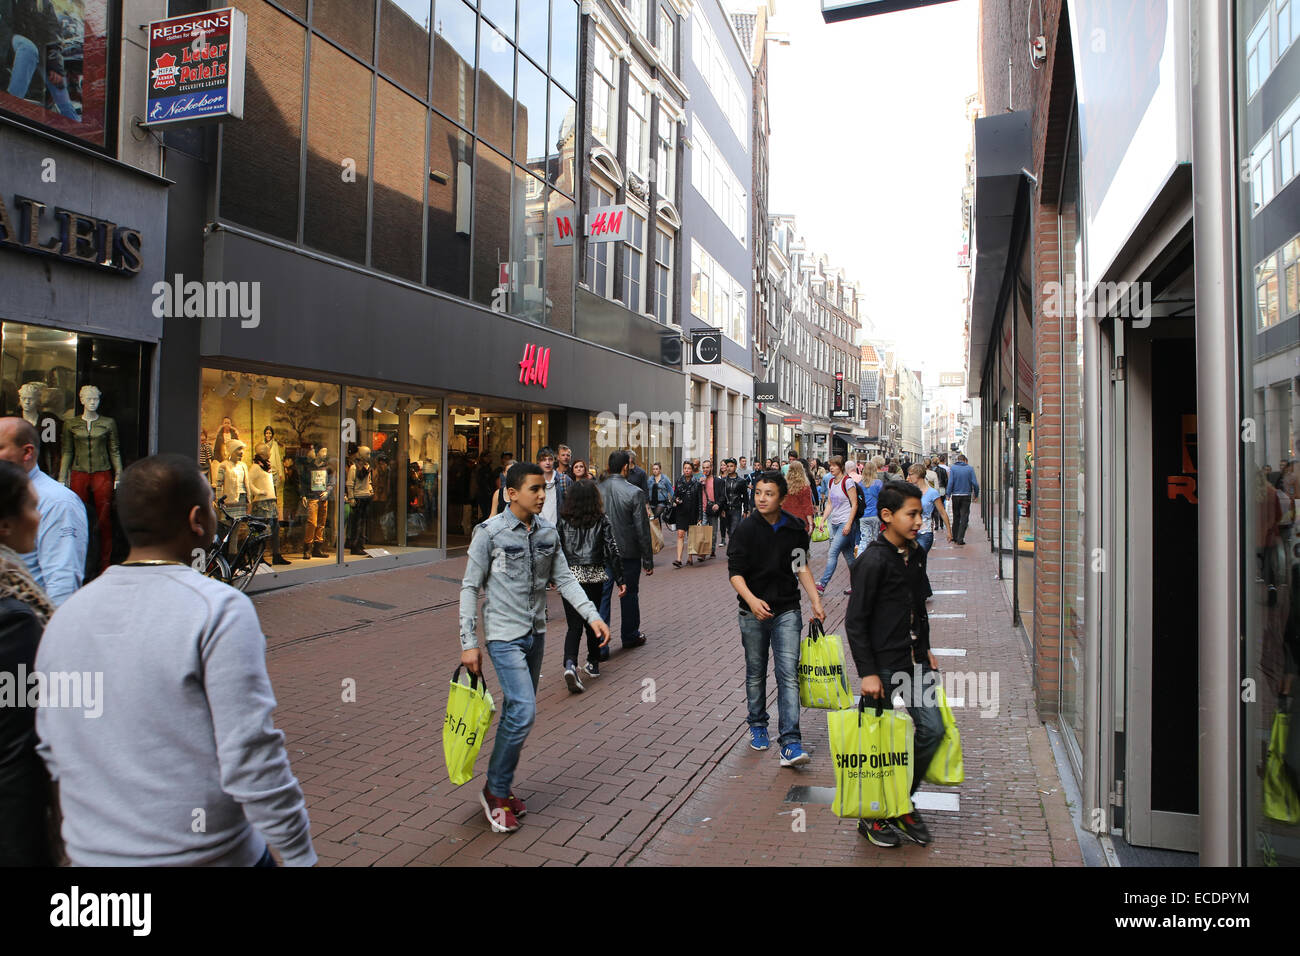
(889, 635)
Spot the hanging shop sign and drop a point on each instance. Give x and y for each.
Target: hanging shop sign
(670, 350)
(952, 379)
(765, 391)
(196, 68)
(839, 411)
(853, 406)
(609, 224)
(76, 237)
(792, 420)
(535, 366)
(706, 348)
(563, 229)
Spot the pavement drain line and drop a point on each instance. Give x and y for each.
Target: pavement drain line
(365, 622)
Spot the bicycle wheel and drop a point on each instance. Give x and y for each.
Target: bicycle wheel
(219, 568)
(247, 563)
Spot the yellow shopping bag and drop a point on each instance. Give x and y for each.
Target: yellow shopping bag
(873, 754)
(469, 714)
(1280, 799)
(822, 681)
(946, 767)
(821, 531)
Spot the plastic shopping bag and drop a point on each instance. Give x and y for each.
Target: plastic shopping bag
(822, 681)
(821, 532)
(946, 767)
(469, 714)
(873, 751)
(1280, 799)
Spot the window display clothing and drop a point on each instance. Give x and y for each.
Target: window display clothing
(92, 461)
(262, 494)
(316, 482)
(232, 484)
(360, 492)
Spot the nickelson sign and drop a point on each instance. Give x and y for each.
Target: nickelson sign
(26, 225)
(196, 68)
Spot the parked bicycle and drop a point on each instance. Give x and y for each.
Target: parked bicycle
(239, 571)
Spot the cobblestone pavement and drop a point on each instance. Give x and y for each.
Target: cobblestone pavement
(651, 766)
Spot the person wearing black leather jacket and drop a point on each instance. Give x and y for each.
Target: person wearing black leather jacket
(587, 539)
(736, 499)
(686, 509)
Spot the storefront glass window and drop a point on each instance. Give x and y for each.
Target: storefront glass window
(47, 375)
(399, 182)
(451, 184)
(564, 43)
(338, 153)
(298, 423)
(559, 264)
(651, 437)
(349, 24)
(455, 27)
(58, 74)
(1270, 476)
(404, 43)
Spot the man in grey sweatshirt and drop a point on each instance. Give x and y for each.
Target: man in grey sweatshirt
(178, 763)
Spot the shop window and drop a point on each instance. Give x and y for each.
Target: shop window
(528, 243)
(559, 261)
(496, 88)
(604, 92)
(404, 43)
(634, 265)
(664, 277)
(298, 423)
(638, 128)
(58, 75)
(666, 41)
(491, 226)
(260, 160)
(349, 24)
(561, 139)
(564, 43)
(530, 118)
(665, 171)
(533, 30)
(451, 181)
(338, 151)
(455, 30)
(399, 182)
(600, 255)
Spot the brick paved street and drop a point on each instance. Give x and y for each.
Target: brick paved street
(651, 765)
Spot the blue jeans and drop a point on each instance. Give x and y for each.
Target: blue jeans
(26, 60)
(839, 544)
(629, 604)
(926, 541)
(868, 531)
(518, 664)
(781, 634)
(912, 686)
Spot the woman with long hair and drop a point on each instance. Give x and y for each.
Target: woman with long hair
(578, 470)
(798, 498)
(869, 523)
(26, 804)
(931, 504)
(687, 494)
(841, 504)
(588, 542)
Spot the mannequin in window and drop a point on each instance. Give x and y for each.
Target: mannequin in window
(207, 455)
(275, 457)
(262, 488)
(232, 479)
(316, 480)
(225, 433)
(29, 400)
(360, 492)
(92, 463)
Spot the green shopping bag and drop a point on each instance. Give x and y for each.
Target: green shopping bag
(873, 761)
(821, 532)
(469, 714)
(822, 681)
(946, 767)
(1280, 799)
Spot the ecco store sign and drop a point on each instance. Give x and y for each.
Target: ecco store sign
(72, 236)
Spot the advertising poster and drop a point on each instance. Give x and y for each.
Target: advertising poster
(196, 68)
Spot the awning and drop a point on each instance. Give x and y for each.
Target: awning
(1003, 153)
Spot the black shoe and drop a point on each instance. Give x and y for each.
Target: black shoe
(604, 653)
(280, 559)
(914, 828)
(571, 678)
(591, 669)
(637, 641)
(880, 832)
(359, 552)
(318, 551)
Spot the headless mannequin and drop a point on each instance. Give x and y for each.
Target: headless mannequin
(92, 464)
(316, 485)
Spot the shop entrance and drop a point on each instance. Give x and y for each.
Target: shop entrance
(1155, 619)
(478, 437)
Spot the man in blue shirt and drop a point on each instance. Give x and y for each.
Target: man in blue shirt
(59, 561)
(963, 488)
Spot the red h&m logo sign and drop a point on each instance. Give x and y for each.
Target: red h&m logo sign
(563, 230)
(609, 224)
(535, 366)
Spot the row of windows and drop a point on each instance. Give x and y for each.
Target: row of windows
(716, 296)
(798, 390)
(712, 63)
(604, 121)
(392, 184)
(1282, 141)
(714, 180)
(665, 37)
(1277, 285)
(600, 263)
(823, 354)
(1261, 56)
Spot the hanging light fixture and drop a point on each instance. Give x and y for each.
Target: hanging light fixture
(245, 388)
(299, 390)
(228, 382)
(318, 397)
(364, 401)
(282, 396)
(259, 389)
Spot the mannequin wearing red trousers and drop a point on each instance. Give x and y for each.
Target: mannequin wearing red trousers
(92, 463)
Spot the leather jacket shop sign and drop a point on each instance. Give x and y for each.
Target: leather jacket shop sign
(27, 226)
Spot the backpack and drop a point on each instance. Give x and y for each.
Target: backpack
(942, 472)
(862, 500)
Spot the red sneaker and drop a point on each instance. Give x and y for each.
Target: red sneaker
(516, 806)
(499, 813)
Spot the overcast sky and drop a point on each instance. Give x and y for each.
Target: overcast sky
(869, 137)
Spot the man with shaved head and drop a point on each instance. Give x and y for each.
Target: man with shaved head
(59, 561)
(183, 765)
